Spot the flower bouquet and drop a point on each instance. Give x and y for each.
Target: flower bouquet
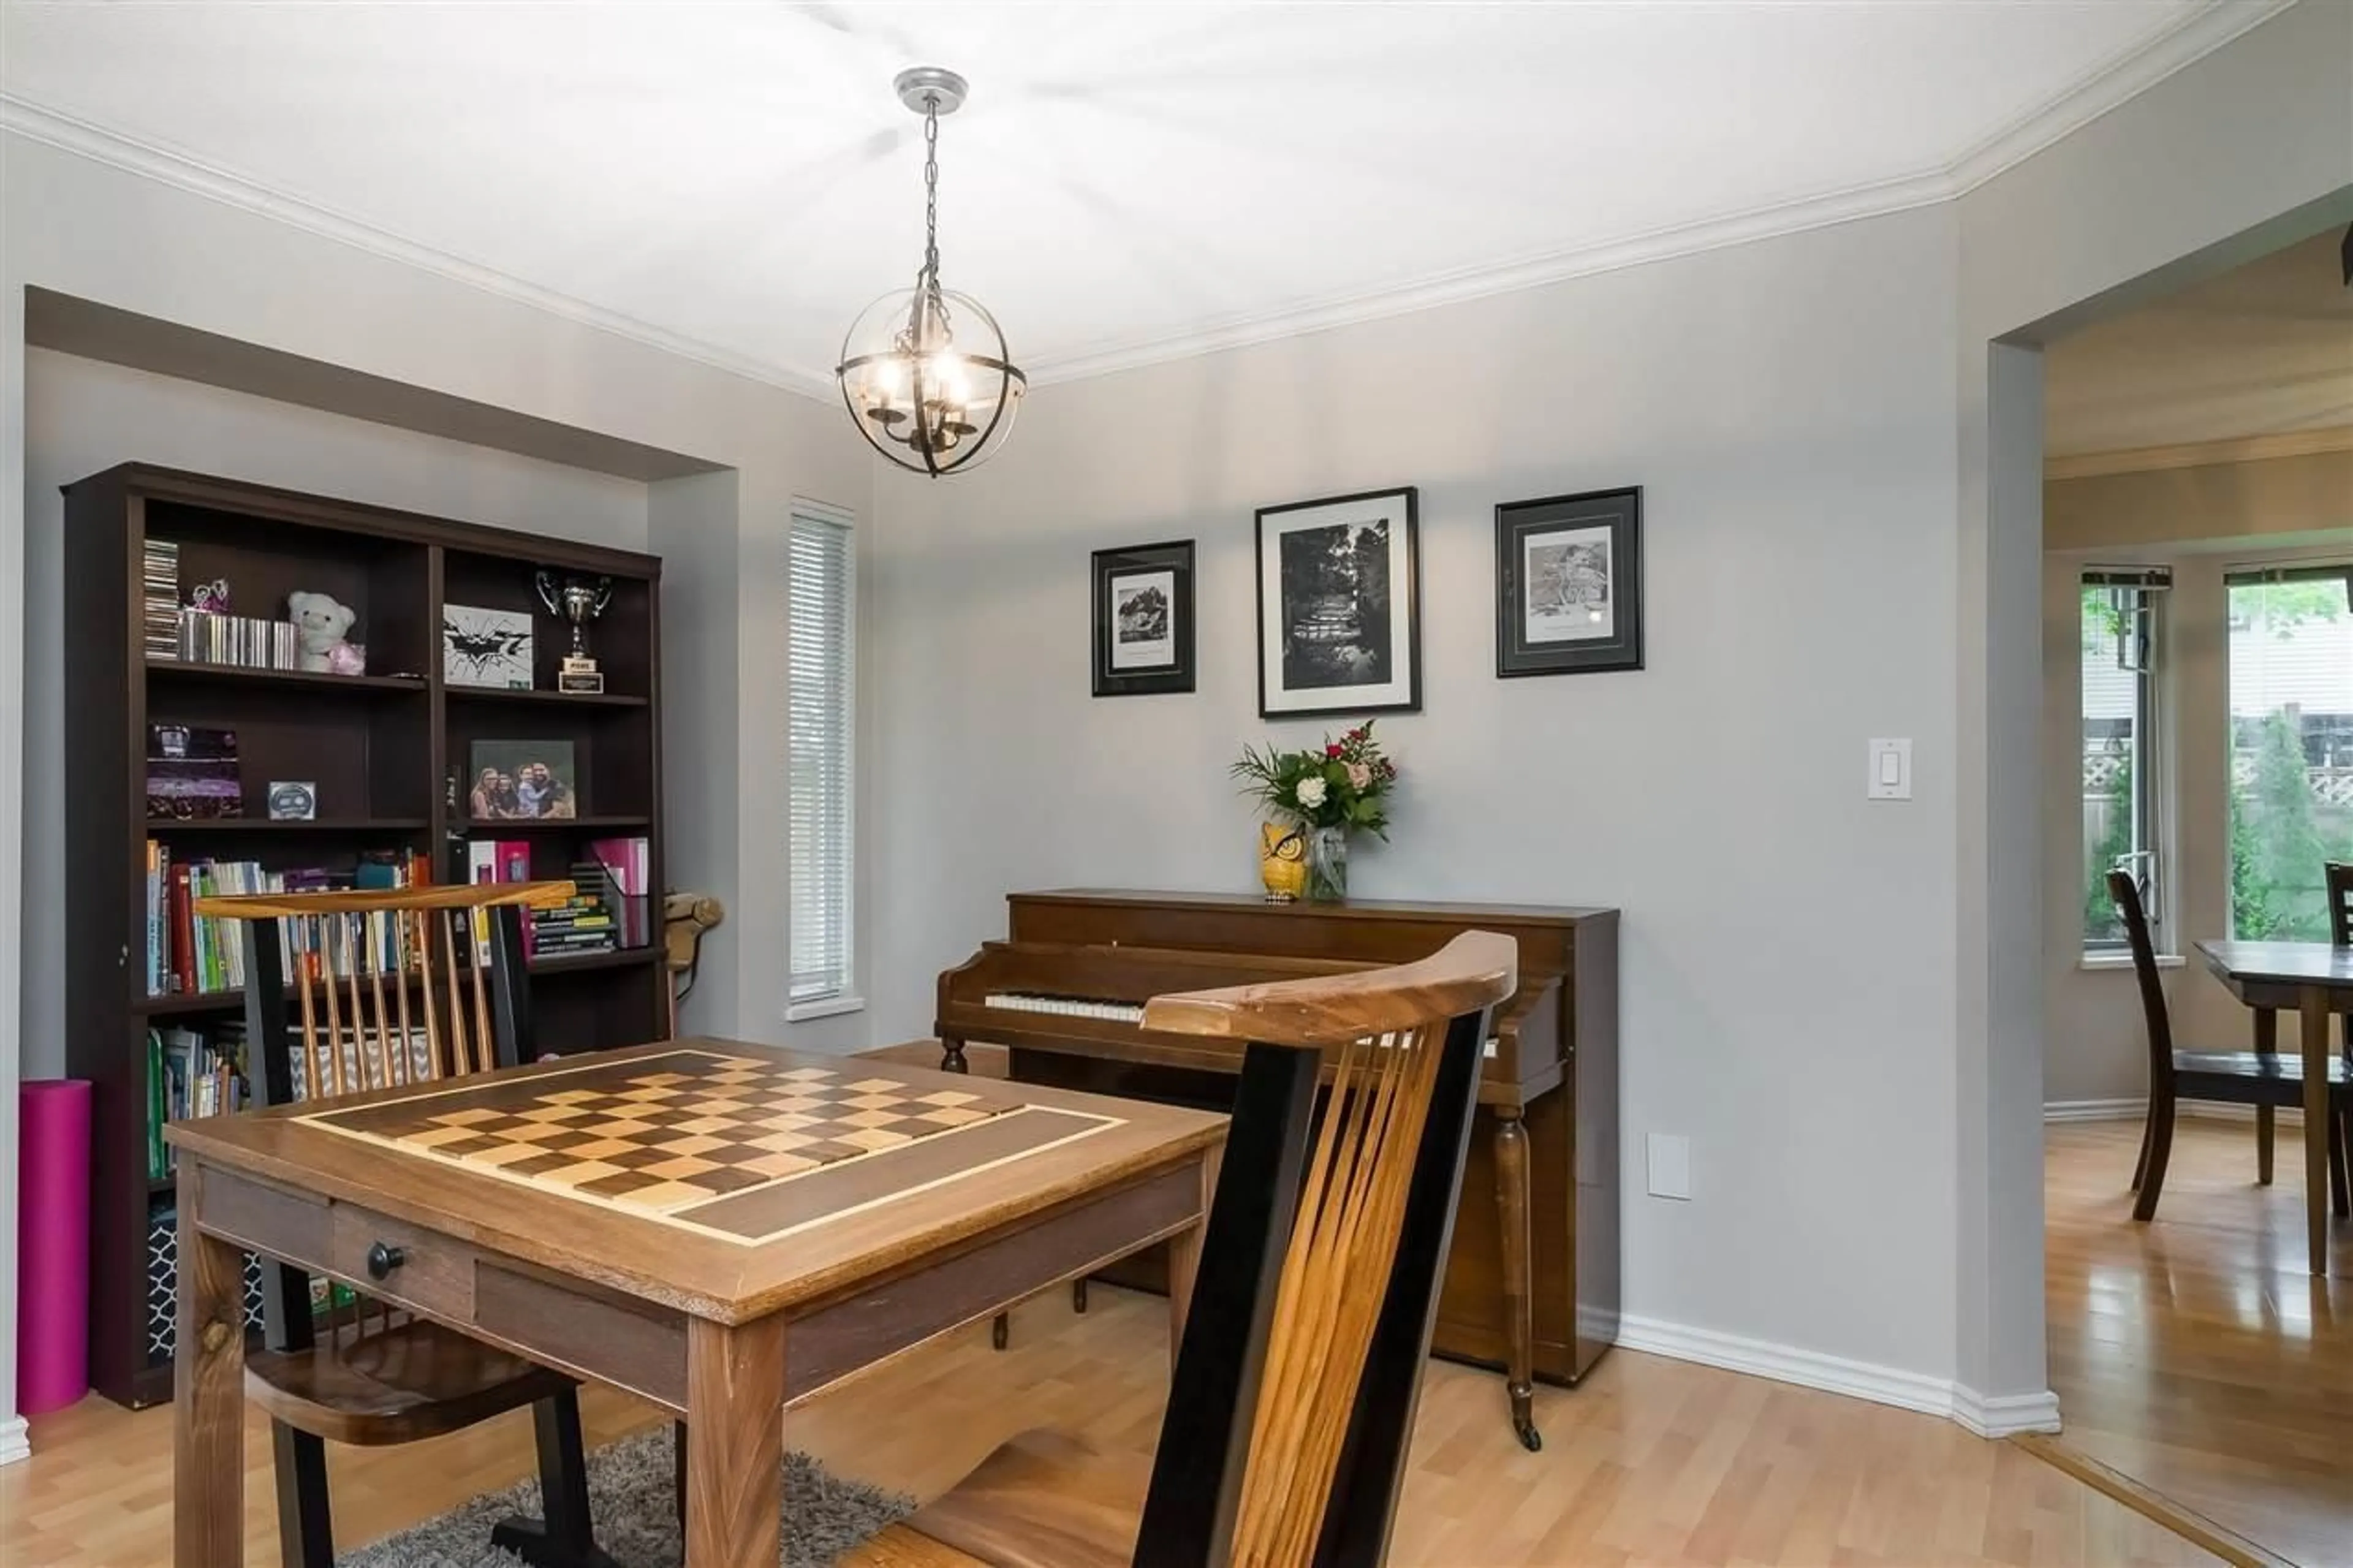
(1326, 791)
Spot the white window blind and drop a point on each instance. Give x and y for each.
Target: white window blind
(819, 735)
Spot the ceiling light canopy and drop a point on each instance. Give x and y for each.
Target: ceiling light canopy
(924, 371)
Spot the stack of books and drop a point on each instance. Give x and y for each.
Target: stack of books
(246, 641)
(583, 923)
(191, 1074)
(627, 867)
(160, 582)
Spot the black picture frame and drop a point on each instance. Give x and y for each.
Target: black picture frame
(1331, 647)
(1598, 534)
(1130, 661)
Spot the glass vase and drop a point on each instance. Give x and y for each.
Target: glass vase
(1328, 865)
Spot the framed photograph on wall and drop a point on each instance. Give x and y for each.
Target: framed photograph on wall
(1339, 615)
(1144, 619)
(1568, 584)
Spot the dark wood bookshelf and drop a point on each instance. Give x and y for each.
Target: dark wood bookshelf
(555, 698)
(384, 752)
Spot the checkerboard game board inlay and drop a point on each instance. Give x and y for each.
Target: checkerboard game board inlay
(739, 1146)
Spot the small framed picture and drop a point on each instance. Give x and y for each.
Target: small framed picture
(1144, 619)
(486, 647)
(293, 801)
(1568, 584)
(514, 779)
(1339, 615)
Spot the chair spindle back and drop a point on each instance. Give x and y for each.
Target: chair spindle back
(1317, 1286)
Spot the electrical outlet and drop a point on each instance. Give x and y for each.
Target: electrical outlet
(1669, 1158)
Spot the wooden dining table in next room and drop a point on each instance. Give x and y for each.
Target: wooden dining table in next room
(2314, 980)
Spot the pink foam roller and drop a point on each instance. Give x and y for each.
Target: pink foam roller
(53, 1245)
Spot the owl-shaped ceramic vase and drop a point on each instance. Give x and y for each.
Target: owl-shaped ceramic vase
(1281, 861)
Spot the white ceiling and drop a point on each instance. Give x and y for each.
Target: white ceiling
(1129, 181)
(2264, 350)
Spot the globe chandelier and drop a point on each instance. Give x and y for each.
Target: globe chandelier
(924, 371)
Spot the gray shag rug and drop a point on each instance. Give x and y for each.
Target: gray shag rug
(635, 1507)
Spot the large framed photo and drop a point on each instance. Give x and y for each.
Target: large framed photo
(1144, 619)
(1568, 584)
(1339, 621)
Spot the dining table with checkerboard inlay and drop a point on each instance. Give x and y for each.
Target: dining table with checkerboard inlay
(718, 1227)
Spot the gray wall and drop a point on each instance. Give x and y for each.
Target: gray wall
(82, 416)
(1789, 408)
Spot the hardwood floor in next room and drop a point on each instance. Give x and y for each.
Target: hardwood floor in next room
(2195, 1354)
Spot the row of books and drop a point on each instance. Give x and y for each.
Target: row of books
(189, 953)
(159, 579)
(207, 637)
(191, 1073)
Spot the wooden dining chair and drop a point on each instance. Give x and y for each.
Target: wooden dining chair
(347, 992)
(2264, 1081)
(1292, 1401)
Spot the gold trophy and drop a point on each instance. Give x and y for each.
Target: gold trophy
(577, 603)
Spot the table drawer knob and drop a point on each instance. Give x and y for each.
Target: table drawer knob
(383, 1259)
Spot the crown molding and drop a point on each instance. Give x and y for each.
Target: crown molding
(79, 137)
(2200, 454)
(1874, 200)
(2211, 25)
(2109, 86)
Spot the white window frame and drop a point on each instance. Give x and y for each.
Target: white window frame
(2141, 648)
(844, 996)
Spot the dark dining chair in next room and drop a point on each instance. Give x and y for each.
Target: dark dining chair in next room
(2228, 1078)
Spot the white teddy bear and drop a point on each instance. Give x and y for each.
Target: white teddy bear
(319, 623)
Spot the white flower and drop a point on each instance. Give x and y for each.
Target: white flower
(1310, 791)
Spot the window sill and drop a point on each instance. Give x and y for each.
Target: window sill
(2092, 963)
(831, 1007)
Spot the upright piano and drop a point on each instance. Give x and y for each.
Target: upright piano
(1532, 1283)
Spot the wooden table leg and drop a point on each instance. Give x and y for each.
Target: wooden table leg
(2315, 1014)
(1184, 1259)
(1519, 1297)
(207, 1393)
(735, 1465)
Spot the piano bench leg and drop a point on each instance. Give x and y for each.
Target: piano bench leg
(1519, 1301)
(1000, 1330)
(1079, 1294)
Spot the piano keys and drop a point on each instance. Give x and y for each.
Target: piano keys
(1532, 1280)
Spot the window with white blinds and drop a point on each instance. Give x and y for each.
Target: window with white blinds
(821, 732)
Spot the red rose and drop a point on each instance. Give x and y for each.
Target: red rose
(1331, 751)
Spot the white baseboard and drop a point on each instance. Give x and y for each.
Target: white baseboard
(1999, 1416)
(2134, 1110)
(2005, 1415)
(14, 1444)
(2095, 1110)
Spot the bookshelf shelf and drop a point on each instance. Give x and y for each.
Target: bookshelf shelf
(383, 752)
(179, 671)
(550, 699)
(166, 825)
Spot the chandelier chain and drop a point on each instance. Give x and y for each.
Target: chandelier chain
(932, 193)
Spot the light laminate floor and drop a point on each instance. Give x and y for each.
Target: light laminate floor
(1651, 1462)
(2195, 1353)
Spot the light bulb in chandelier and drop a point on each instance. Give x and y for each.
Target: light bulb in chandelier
(924, 371)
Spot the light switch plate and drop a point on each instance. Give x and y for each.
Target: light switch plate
(1670, 1157)
(1889, 776)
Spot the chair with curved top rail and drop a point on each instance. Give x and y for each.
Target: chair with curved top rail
(1292, 1401)
(353, 991)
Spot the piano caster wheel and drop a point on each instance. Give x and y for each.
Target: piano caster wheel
(1078, 1295)
(1001, 1331)
(1524, 1420)
(1530, 1438)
